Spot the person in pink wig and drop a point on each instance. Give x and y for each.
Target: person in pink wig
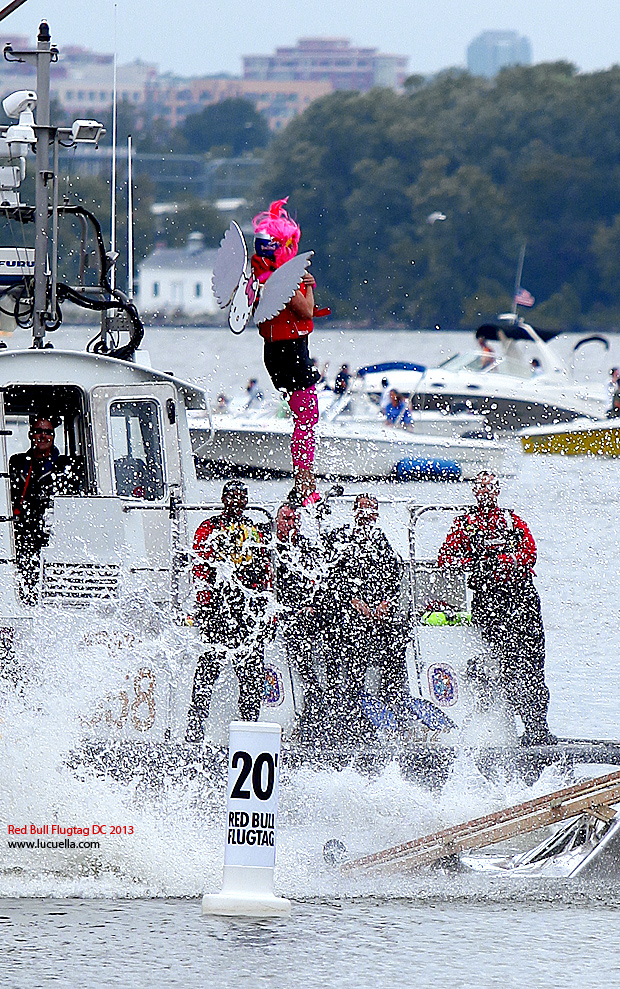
(286, 354)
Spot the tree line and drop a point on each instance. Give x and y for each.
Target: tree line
(531, 157)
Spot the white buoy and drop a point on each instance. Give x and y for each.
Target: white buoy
(251, 825)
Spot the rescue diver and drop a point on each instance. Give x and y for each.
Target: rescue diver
(36, 476)
(366, 629)
(299, 572)
(233, 578)
(498, 550)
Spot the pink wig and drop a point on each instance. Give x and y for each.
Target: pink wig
(278, 225)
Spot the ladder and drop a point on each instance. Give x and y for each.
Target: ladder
(594, 797)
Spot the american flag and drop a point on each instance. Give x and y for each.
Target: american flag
(524, 298)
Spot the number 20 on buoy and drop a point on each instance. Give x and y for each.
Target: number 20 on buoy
(251, 824)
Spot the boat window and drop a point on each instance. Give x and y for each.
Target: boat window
(471, 361)
(482, 362)
(135, 436)
(487, 364)
(63, 406)
(511, 367)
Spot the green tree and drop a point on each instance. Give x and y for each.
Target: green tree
(232, 125)
(189, 216)
(533, 154)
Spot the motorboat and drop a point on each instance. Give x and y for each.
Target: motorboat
(502, 382)
(354, 440)
(449, 712)
(579, 438)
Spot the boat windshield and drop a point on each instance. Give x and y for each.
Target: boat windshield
(487, 364)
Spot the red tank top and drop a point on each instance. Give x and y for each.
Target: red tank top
(286, 325)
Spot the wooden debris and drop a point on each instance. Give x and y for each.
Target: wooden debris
(594, 796)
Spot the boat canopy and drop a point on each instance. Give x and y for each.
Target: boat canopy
(516, 331)
(389, 366)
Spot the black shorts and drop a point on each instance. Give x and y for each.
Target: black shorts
(289, 366)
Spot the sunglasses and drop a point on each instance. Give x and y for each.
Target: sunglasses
(41, 432)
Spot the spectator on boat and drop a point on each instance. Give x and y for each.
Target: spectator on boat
(255, 395)
(488, 354)
(536, 367)
(498, 550)
(321, 373)
(396, 411)
(343, 380)
(36, 477)
(286, 354)
(385, 394)
(614, 389)
(361, 604)
(299, 569)
(233, 578)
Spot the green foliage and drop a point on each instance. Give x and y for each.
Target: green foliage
(188, 216)
(232, 126)
(94, 194)
(533, 155)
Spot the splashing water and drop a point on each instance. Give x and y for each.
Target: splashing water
(175, 847)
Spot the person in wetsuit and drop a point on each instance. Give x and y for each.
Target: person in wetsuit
(233, 577)
(299, 570)
(361, 599)
(498, 550)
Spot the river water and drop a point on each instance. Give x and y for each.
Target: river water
(129, 913)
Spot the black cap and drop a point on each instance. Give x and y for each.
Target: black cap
(232, 487)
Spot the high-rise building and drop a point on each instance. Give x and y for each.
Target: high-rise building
(495, 50)
(331, 60)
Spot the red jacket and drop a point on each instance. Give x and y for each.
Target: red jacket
(286, 325)
(236, 542)
(500, 534)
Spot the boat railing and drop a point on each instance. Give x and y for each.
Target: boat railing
(427, 580)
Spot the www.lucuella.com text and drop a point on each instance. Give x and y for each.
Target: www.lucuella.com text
(69, 831)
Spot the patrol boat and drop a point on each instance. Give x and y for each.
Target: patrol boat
(114, 567)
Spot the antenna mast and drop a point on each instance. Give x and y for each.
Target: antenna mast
(42, 58)
(113, 191)
(129, 220)
(518, 279)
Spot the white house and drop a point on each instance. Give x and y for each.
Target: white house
(178, 280)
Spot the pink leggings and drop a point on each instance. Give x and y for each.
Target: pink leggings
(305, 409)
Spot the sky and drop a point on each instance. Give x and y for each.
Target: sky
(202, 37)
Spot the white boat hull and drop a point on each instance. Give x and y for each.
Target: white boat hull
(343, 450)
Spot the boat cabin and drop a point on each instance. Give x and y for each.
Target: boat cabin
(122, 428)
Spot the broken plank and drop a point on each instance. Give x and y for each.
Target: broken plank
(594, 796)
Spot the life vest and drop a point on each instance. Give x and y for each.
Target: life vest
(237, 542)
(501, 531)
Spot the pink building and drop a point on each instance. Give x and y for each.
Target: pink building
(331, 60)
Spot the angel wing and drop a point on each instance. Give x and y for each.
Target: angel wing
(281, 287)
(230, 265)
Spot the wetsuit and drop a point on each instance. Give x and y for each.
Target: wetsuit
(364, 567)
(233, 577)
(499, 550)
(34, 483)
(299, 570)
